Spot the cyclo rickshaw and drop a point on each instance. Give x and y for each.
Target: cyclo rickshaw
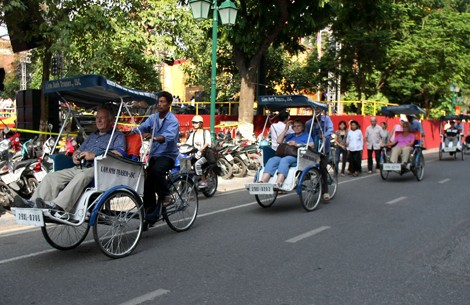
(304, 175)
(416, 162)
(453, 148)
(112, 205)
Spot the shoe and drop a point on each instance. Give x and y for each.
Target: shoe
(342, 174)
(278, 185)
(167, 201)
(326, 197)
(19, 202)
(202, 184)
(42, 204)
(369, 172)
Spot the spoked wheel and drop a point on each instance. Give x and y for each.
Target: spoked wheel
(383, 159)
(64, 237)
(181, 215)
(311, 190)
(225, 168)
(118, 225)
(212, 183)
(419, 167)
(332, 179)
(266, 200)
(239, 168)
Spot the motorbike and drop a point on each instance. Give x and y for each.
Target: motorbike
(185, 161)
(21, 176)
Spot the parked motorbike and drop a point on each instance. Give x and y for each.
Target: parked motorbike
(21, 176)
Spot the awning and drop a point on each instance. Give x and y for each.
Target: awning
(95, 89)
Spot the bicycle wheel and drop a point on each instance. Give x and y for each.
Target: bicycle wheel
(225, 168)
(311, 190)
(419, 167)
(64, 237)
(332, 179)
(118, 225)
(383, 159)
(239, 168)
(267, 200)
(212, 182)
(181, 215)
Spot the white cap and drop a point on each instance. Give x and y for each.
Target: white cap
(403, 118)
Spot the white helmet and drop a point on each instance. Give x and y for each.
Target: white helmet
(197, 118)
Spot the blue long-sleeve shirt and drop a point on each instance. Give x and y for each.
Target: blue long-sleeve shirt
(169, 128)
(325, 127)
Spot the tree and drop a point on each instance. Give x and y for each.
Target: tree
(435, 53)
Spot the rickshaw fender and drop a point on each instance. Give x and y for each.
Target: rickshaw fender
(302, 176)
(107, 194)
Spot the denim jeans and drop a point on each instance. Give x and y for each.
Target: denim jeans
(280, 164)
(344, 159)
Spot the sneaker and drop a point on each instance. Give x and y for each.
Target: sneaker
(20, 202)
(202, 184)
(42, 204)
(369, 172)
(326, 197)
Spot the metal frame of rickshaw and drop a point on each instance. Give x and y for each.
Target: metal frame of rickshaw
(416, 162)
(304, 177)
(454, 150)
(116, 211)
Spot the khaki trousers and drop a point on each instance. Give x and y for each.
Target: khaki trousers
(64, 187)
(404, 151)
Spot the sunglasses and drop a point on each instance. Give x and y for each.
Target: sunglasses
(196, 122)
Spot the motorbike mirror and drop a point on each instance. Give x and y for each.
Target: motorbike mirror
(6, 130)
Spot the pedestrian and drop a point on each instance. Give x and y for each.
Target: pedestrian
(341, 148)
(355, 144)
(373, 140)
(277, 128)
(385, 133)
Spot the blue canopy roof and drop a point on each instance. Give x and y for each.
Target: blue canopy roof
(455, 117)
(95, 89)
(402, 109)
(281, 102)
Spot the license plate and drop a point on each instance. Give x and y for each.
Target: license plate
(391, 166)
(29, 217)
(9, 178)
(261, 188)
(229, 158)
(243, 156)
(40, 175)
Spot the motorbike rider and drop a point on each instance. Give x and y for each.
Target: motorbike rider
(200, 139)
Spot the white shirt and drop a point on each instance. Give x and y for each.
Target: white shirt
(373, 137)
(275, 130)
(355, 140)
(198, 137)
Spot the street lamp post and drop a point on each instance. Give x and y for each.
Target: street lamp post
(454, 89)
(228, 14)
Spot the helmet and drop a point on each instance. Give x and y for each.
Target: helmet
(197, 118)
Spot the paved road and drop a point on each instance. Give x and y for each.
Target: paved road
(398, 241)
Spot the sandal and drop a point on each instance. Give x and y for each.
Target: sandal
(167, 201)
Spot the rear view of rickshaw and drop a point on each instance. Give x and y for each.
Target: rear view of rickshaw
(415, 163)
(304, 175)
(452, 136)
(112, 204)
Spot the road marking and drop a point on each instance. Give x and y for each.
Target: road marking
(396, 200)
(146, 297)
(444, 181)
(307, 234)
(17, 258)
